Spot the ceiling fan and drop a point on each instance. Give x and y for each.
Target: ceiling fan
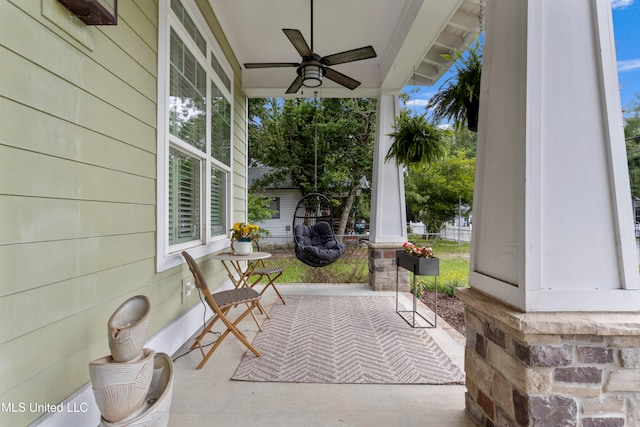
(314, 67)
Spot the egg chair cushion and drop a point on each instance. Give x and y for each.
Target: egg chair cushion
(316, 245)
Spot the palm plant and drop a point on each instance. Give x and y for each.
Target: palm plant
(458, 99)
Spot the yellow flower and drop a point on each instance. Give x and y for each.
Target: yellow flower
(241, 230)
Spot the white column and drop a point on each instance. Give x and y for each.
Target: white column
(388, 213)
(553, 225)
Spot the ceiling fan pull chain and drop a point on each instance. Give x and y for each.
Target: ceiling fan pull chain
(481, 15)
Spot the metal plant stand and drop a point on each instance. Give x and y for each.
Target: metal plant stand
(419, 267)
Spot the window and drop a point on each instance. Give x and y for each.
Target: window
(184, 200)
(194, 135)
(274, 206)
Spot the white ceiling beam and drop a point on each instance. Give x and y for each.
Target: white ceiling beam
(449, 40)
(428, 70)
(419, 80)
(419, 38)
(466, 21)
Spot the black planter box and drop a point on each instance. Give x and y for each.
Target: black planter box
(418, 265)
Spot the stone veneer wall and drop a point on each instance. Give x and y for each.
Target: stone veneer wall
(550, 369)
(382, 268)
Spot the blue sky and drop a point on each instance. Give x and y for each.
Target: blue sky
(626, 27)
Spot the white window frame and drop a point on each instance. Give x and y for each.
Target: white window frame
(169, 256)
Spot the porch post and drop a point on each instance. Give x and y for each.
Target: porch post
(388, 215)
(553, 239)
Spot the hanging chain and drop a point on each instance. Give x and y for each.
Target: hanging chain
(483, 10)
(315, 141)
(414, 90)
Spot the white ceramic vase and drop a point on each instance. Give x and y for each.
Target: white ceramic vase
(241, 247)
(120, 388)
(155, 409)
(128, 329)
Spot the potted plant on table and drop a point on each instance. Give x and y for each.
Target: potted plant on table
(242, 236)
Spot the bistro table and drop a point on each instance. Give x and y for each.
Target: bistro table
(240, 274)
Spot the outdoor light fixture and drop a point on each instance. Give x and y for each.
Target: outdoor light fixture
(94, 12)
(311, 75)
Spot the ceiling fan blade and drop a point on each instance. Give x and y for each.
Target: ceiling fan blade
(298, 41)
(340, 78)
(295, 86)
(350, 56)
(270, 64)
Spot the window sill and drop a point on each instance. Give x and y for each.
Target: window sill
(175, 259)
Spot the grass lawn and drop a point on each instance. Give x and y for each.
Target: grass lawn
(454, 264)
(353, 266)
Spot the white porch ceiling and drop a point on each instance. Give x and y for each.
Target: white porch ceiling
(407, 35)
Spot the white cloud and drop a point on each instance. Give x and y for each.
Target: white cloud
(621, 4)
(628, 65)
(417, 102)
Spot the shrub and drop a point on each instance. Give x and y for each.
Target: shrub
(447, 283)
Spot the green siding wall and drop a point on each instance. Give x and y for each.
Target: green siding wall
(78, 191)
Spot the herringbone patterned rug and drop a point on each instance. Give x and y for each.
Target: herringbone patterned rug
(344, 340)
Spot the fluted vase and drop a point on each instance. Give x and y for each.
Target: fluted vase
(120, 388)
(155, 409)
(128, 328)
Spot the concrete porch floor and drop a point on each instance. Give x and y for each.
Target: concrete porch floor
(209, 397)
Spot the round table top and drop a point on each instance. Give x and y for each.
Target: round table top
(230, 256)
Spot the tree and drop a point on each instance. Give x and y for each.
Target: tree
(458, 99)
(632, 138)
(321, 145)
(433, 191)
(351, 128)
(464, 138)
(258, 208)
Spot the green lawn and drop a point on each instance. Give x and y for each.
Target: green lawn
(454, 264)
(353, 267)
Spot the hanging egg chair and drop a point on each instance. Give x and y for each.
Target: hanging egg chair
(315, 241)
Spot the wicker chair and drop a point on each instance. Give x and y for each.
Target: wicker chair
(221, 303)
(271, 274)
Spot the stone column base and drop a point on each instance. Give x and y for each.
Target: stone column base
(382, 268)
(550, 369)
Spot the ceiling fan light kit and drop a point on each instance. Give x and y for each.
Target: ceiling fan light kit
(314, 67)
(311, 75)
